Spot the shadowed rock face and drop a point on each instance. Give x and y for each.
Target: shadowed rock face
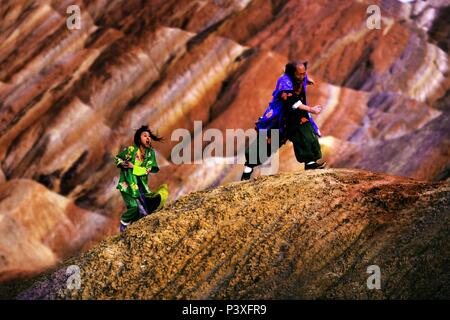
(304, 235)
(70, 99)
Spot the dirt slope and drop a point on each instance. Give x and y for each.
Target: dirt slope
(298, 235)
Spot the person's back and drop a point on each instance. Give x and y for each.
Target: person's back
(273, 116)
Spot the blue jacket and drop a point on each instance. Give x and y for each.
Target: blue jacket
(273, 116)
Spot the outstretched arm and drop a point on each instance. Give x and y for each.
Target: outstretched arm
(292, 101)
(316, 109)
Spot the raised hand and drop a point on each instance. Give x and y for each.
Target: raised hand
(316, 109)
(127, 164)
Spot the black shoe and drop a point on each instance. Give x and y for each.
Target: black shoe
(246, 175)
(315, 165)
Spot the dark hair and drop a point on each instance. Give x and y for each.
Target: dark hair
(291, 67)
(137, 135)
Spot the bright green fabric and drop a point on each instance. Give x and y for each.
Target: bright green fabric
(128, 177)
(128, 181)
(138, 170)
(132, 213)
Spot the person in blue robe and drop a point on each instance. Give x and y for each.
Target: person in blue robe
(288, 113)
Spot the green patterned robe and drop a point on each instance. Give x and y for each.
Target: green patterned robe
(128, 181)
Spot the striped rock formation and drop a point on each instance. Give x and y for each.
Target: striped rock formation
(70, 99)
(31, 241)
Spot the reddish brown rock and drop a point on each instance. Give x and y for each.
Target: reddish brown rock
(39, 228)
(71, 99)
(182, 96)
(395, 58)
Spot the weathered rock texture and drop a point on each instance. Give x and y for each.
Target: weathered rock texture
(70, 99)
(303, 235)
(39, 228)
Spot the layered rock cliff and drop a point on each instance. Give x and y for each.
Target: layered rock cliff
(40, 228)
(70, 99)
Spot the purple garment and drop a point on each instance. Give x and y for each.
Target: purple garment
(273, 116)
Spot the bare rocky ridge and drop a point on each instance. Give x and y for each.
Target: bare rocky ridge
(304, 235)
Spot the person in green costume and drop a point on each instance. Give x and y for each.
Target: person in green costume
(135, 163)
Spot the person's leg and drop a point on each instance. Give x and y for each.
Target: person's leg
(249, 164)
(253, 158)
(306, 144)
(142, 201)
(131, 214)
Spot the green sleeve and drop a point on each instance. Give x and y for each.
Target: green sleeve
(152, 164)
(123, 156)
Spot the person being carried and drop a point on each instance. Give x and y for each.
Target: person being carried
(289, 113)
(135, 163)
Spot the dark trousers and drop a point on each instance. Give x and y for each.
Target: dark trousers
(141, 206)
(149, 204)
(254, 156)
(304, 139)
